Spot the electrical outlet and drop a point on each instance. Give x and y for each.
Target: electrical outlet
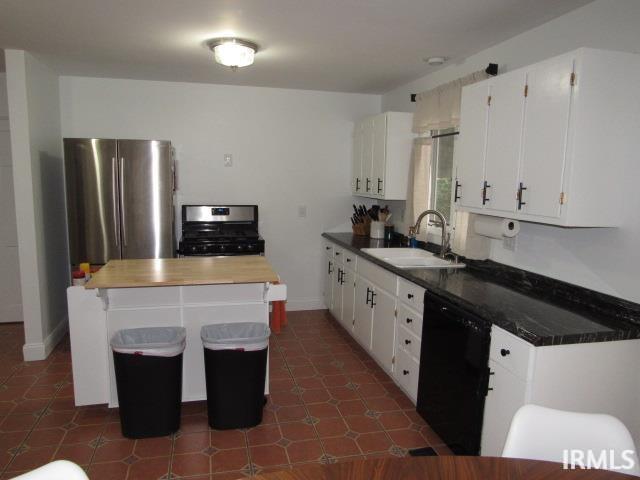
(228, 160)
(302, 211)
(509, 243)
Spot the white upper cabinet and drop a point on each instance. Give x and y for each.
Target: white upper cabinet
(555, 141)
(381, 156)
(471, 146)
(504, 141)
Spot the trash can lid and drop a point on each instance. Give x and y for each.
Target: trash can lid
(236, 333)
(149, 338)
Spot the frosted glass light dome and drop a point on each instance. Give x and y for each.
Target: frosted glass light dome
(233, 52)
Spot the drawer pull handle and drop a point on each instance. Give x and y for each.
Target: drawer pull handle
(409, 296)
(409, 320)
(504, 352)
(407, 342)
(405, 372)
(348, 259)
(337, 253)
(327, 248)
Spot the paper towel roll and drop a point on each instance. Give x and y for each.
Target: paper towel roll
(494, 227)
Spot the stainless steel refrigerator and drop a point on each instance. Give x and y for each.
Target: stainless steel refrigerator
(119, 199)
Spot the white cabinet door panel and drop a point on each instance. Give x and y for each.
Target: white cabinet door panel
(504, 138)
(363, 312)
(348, 297)
(367, 156)
(546, 123)
(336, 307)
(506, 395)
(379, 155)
(471, 146)
(328, 282)
(356, 161)
(383, 328)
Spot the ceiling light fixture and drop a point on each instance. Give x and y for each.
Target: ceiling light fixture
(233, 52)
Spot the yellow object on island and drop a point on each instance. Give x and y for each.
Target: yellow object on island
(183, 271)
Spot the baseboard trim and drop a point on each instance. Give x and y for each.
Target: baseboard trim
(305, 304)
(41, 350)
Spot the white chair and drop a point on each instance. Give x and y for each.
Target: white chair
(58, 470)
(541, 433)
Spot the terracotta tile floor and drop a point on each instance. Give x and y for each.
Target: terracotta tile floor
(329, 403)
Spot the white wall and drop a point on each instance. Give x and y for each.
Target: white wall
(606, 260)
(10, 298)
(34, 115)
(290, 148)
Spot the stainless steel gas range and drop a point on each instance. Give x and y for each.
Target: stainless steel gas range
(220, 230)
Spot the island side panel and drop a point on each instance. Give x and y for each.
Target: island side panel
(89, 346)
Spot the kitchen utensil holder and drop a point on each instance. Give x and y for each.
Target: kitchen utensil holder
(377, 229)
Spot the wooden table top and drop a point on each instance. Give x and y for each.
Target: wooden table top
(183, 271)
(440, 468)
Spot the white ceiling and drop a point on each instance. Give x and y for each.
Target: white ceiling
(367, 46)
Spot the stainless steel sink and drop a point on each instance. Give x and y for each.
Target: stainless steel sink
(410, 258)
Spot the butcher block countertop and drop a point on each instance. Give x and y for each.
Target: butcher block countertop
(183, 271)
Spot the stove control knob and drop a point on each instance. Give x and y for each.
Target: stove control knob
(203, 249)
(251, 247)
(222, 248)
(240, 248)
(193, 249)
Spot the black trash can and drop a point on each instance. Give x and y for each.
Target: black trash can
(235, 360)
(148, 367)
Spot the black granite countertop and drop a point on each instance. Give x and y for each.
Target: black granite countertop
(538, 309)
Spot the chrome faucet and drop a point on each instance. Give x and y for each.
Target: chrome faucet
(415, 229)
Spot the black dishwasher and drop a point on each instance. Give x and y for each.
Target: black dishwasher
(454, 373)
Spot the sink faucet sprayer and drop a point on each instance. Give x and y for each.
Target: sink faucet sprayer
(415, 229)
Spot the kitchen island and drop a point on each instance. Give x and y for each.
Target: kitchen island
(188, 292)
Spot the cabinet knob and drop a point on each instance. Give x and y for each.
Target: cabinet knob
(407, 342)
(348, 259)
(327, 248)
(405, 372)
(409, 296)
(504, 352)
(337, 253)
(409, 320)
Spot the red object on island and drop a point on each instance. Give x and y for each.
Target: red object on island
(278, 315)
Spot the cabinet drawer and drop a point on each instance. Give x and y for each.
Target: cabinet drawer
(327, 247)
(406, 373)
(408, 342)
(378, 276)
(350, 259)
(511, 352)
(410, 319)
(411, 294)
(338, 254)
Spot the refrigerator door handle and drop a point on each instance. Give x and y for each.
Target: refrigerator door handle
(116, 219)
(123, 219)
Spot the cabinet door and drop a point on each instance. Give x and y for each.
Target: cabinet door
(356, 170)
(504, 137)
(348, 297)
(471, 146)
(378, 163)
(336, 307)
(383, 328)
(363, 312)
(328, 282)
(367, 156)
(546, 123)
(506, 395)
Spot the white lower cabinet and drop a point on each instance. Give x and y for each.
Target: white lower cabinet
(582, 377)
(336, 304)
(348, 299)
(406, 373)
(507, 393)
(363, 312)
(328, 282)
(383, 328)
